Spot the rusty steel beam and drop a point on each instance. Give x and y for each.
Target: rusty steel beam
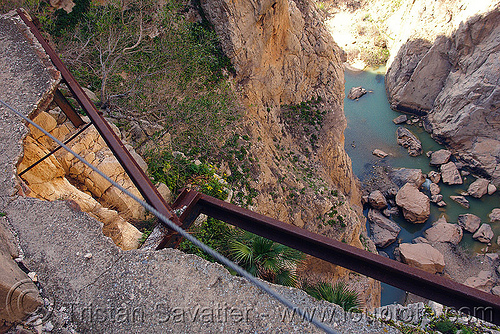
(66, 107)
(397, 274)
(136, 174)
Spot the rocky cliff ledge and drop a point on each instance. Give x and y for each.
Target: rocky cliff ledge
(290, 75)
(448, 69)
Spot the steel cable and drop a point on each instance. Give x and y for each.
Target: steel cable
(259, 284)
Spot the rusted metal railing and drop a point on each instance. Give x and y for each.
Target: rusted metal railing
(192, 204)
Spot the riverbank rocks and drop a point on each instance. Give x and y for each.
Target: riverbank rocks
(444, 232)
(356, 92)
(483, 281)
(494, 215)
(461, 200)
(491, 189)
(478, 188)
(440, 157)
(400, 119)
(415, 204)
(377, 200)
(402, 176)
(379, 153)
(408, 140)
(484, 234)
(450, 174)
(383, 231)
(422, 256)
(469, 222)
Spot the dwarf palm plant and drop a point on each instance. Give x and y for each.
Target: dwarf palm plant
(338, 294)
(266, 259)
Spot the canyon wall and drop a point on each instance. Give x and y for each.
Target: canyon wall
(284, 60)
(446, 65)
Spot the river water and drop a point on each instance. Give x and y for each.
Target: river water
(370, 126)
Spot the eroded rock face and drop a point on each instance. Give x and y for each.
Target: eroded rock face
(408, 140)
(415, 204)
(444, 232)
(422, 256)
(452, 78)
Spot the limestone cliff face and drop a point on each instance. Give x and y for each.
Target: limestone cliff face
(283, 56)
(448, 69)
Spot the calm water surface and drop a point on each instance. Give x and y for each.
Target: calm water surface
(370, 126)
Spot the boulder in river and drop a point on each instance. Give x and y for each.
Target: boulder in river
(402, 176)
(461, 200)
(383, 231)
(434, 176)
(434, 189)
(484, 234)
(444, 232)
(400, 119)
(356, 92)
(494, 215)
(436, 198)
(422, 256)
(478, 188)
(440, 157)
(377, 200)
(379, 153)
(416, 205)
(469, 222)
(450, 174)
(408, 140)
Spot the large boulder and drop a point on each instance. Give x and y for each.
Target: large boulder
(416, 205)
(494, 215)
(450, 174)
(422, 256)
(469, 222)
(444, 232)
(383, 230)
(402, 176)
(478, 188)
(377, 200)
(379, 153)
(408, 140)
(440, 157)
(400, 119)
(356, 92)
(484, 234)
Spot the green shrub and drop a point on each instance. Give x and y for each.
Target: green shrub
(338, 294)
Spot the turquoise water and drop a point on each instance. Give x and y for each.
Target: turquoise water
(370, 126)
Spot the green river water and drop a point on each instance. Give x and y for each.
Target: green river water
(370, 126)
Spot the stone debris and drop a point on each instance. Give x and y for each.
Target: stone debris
(408, 140)
(422, 256)
(379, 153)
(377, 200)
(461, 200)
(484, 233)
(494, 215)
(469, 222)
(436, 198)
(450, 174)
(415, 204)
(441, 204)
(400, 119)
(478, 188)
(356, 92)
(444, 232)
(440, 157)
(434, 189)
